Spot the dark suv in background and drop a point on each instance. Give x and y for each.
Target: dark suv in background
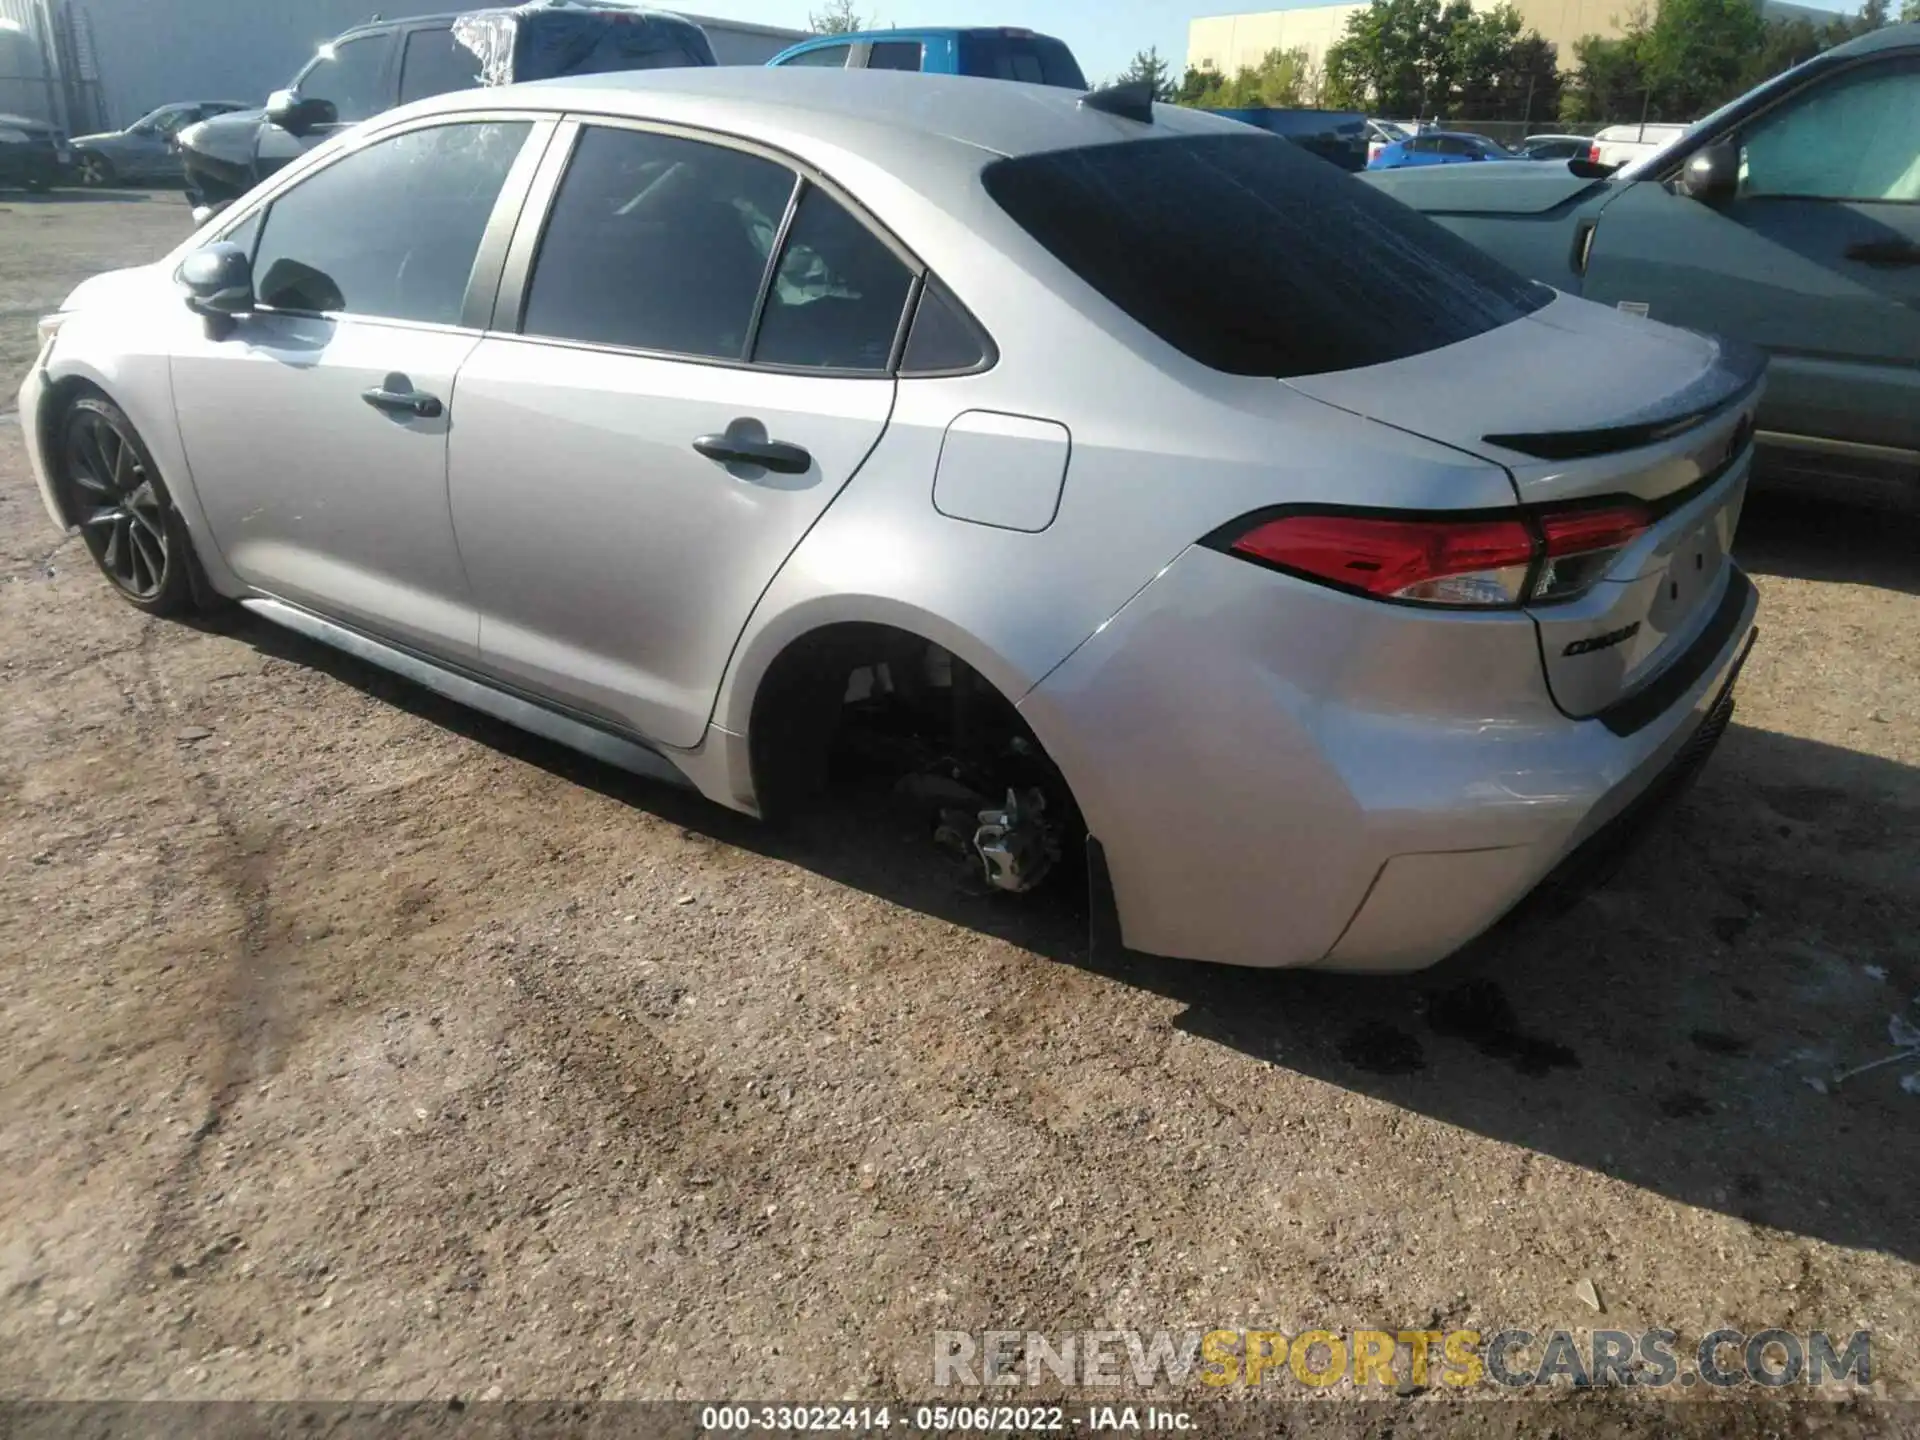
(31, 155)
(375, 67)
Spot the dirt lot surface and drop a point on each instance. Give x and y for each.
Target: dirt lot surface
(354, 1046)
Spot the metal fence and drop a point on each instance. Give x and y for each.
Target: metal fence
(49, 67)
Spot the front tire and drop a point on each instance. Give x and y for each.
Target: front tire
(112, 490)
(96, 171)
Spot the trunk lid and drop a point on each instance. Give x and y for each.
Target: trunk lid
(1582, 405)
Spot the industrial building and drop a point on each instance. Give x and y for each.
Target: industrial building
(97, 64)
(1229, 42)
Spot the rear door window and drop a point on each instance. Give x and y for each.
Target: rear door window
(838, 295)
(1255, 258)
(434, 63)
(657, 243)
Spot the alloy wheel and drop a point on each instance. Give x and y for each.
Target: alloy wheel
(121, 513)
(94, 171)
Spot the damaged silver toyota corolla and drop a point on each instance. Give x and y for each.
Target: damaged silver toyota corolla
(1141, 486)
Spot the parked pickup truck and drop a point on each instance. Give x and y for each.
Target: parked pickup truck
(375, 67)
(1789, 219)
(1619, 145)
(995, 54)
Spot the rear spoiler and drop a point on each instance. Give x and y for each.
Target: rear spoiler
(1731, 380)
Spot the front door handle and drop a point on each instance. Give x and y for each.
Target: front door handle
(774, 455)
(396, 396)
(1885, 252)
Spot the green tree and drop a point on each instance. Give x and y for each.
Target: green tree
(1421, 57)
(1202, 85)
(1910, 12)
(1149, 66)
(839, 18)
(1786, 44)
(1385, 58)
(1283, 80)
(1696, 54)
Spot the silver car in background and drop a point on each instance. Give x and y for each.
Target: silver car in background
(145, 150)
(1173, 504)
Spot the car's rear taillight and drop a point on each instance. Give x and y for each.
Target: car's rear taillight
(1435, 562)
(1593, 153)
(1579, 546)
(1476, 560)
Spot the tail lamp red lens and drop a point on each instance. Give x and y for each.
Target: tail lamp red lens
(1482, 561)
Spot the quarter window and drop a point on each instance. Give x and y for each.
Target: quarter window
(1856, 137)
(391, 230)
(347, 76)
(838, 294)
(657, 243)
(944, 340)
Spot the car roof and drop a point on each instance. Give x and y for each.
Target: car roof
(851, 109)
(1887, 37)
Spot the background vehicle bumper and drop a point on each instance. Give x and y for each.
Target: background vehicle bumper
(1282, 775)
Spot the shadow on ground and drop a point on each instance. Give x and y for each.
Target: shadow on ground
(1663, 1031)
(70, 197)
(1805, 537)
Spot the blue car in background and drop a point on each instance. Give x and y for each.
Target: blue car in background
(1438, 147)
(996, 54)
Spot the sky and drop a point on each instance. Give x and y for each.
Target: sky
(1104, 34)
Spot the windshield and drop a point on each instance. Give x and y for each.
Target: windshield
(1255, 258)
(1036, 59)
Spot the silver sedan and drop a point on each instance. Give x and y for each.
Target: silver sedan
(1148, 498)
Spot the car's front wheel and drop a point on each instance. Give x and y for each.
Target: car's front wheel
(96, 170)
(114, 493)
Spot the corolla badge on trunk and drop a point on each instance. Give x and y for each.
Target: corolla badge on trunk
(1603, 642)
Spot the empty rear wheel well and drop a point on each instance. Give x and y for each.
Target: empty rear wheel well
(869, 703)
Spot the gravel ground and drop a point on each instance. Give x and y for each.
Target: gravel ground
(354, 1046)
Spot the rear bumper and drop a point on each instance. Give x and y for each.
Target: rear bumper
(1594, 860)
(1280, 775)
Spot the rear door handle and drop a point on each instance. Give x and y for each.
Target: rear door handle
(1885, 252)
(774, 455)
(396, 396)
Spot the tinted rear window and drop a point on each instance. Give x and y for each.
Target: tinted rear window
(1255, 258)
(1035, 59)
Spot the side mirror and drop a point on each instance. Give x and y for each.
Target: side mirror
(218, 279)
(1712, 173)
(296, 116)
